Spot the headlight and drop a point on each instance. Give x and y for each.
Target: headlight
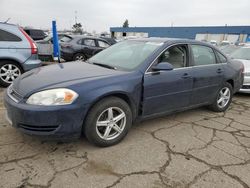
(53, 97)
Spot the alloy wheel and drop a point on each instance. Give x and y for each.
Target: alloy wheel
(80, 58)
(224, 97)
(111, 123)
(9, 72)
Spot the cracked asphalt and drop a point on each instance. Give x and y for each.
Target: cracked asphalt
(196, 148)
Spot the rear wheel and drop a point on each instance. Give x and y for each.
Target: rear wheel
(223, 98)
(9, 71)
(79, 57)
(108, 122)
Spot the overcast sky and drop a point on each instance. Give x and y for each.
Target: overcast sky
(100, 15)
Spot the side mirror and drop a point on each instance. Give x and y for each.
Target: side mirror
(164, 66)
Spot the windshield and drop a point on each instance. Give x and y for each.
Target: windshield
(127, 55)
(242, 53)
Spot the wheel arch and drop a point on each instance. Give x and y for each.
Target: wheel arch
(14, 61)
(231, 82)
(122, 95)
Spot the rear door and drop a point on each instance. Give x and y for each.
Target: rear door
(171, 90)
(207, 74)
(89, 47)
(101, 45)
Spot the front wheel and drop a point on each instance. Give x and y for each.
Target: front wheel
(223, 98)
(9, 71)
(108, 122)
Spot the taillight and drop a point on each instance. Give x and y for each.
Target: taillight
(242, 69)
(30, 40)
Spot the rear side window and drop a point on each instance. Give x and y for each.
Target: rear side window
(203, 55)
(221, 58)
(7, 36)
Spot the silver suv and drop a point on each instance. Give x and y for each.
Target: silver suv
(18, 53)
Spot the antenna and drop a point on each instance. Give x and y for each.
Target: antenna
(7, 20)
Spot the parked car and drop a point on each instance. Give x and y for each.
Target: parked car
(225, 43)
(243, 55)
(18, 53)
(229, 49)
(45, 46)
(81, 48)
(49, 39)
(130, 81)
(35, 34)
(214, 42)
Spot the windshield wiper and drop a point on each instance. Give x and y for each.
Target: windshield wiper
(106, 66)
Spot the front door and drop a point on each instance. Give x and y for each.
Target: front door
(166, 91)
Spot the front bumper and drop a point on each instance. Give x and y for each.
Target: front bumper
(55, 121)
(246, 85)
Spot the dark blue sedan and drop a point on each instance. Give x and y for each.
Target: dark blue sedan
(130, 81)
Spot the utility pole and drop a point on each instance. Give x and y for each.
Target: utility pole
(75, 17)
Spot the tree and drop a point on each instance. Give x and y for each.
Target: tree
(126, 24)
(77, 28)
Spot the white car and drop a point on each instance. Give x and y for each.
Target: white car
(214, 42)
(243, 54)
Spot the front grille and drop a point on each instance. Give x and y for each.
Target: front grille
(246, 87)
(38, 128)
(13, 94)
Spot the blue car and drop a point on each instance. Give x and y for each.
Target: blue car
(131, 81)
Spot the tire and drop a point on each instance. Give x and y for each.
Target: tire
(79, 57)
(217, 105)
(100, 113)
(9, 71)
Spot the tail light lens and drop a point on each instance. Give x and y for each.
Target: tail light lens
(242, 68)
(31, 42)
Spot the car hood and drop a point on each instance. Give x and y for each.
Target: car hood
(246, 64)
(65, 73)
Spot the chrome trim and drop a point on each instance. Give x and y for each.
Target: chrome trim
(188, 67)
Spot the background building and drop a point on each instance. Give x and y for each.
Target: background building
(217, 33)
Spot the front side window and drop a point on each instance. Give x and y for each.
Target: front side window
(103, 44)
(222, 58)
(203, 55)
(89, 42)
(6, 36)
(176, 55)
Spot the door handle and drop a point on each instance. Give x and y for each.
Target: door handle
(186, 75)
(219, 71)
